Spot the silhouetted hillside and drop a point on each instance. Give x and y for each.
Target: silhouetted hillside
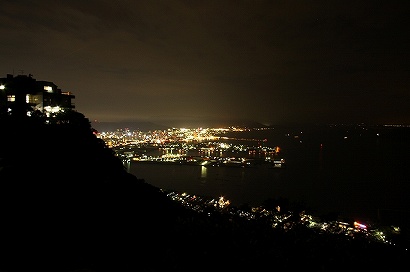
(68, 204)
(66, 200)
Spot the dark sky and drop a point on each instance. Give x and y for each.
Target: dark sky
(181, 62)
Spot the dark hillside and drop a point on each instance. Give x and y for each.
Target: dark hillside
(67, 201)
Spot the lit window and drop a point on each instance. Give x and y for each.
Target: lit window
(48, 89)
(50, 109)
(11, 98)
(2, 87)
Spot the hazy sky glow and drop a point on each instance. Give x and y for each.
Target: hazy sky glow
(184, 61)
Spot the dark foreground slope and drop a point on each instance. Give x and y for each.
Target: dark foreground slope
(67, 204)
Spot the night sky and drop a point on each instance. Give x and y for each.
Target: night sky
(188, 62)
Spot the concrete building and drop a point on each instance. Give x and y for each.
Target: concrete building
(22, 96)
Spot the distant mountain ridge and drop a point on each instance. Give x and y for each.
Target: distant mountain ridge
(136, 125)
(148, 126)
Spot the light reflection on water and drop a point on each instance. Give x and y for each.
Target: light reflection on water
(203, 172)
(239, 185)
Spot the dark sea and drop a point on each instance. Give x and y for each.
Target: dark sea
(352, 172)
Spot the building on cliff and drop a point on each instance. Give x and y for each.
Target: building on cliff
(22, 96)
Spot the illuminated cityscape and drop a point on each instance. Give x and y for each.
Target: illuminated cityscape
(204, 136)
(211, 147)
(201, 146)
